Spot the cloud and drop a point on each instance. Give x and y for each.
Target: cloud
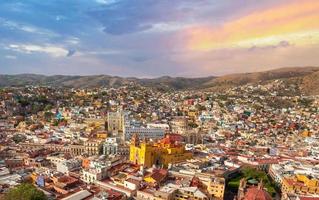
(103, 52)
(72, 41)
(71, 52)
(125, 17)
(157, 37)
(60, 17)
(281, 44)
(140, 58)
(229, 61)
(294, 22)
(284, 43)
(105, 2)
(13, 25)
(51, 50)
(10, 57)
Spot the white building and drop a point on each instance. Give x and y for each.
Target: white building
(160, 126)
(56, 159)
(92, 175)
(147, 133)
(110, 146)
(68, 166)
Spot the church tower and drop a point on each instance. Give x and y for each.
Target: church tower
(135, 140)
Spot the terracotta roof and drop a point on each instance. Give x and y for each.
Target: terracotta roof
(309, 198)
(254, 193)
(172, 138)
(159, 175)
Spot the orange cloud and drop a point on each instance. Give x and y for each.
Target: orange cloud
(297, 22)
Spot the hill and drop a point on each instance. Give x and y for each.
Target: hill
(306, 77)
(298, 74)
(166, 82)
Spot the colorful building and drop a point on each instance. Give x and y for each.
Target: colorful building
(300, 184)
(101, 135)
(161, 154)
(156, 177)
(215, 186)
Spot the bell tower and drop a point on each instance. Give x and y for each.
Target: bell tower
(135, 140)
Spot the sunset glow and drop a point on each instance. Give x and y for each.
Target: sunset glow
(296, 23)
(151, 38)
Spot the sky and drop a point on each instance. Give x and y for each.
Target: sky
(152, 38)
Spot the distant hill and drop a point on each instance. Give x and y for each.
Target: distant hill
(306, 77)
(297, 73)
(310, 83)
(165, 82)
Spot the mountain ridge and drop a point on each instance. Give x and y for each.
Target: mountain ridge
(307, 79)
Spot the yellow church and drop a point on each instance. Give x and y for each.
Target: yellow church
(166, 151)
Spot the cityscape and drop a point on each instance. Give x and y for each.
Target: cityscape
(159, 100)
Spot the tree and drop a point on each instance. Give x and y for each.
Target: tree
(192, 125)
(48, 115)
(25, 191)
(48, 107)
(18, 138)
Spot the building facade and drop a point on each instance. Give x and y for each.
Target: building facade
(161, 154)
(110, 146)
(115, 121)
(147, 133)
(300, 184)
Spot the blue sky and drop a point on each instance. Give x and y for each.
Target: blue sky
(150, 38)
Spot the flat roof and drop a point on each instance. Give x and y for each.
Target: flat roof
(79, 195)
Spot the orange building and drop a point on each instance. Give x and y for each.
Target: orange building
(86, 163)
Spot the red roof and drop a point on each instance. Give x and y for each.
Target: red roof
(309, 198)
(159, 175)
(254, 193)
(172, 139)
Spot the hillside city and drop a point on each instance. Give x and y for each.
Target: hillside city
(159, 100)
(253, 141)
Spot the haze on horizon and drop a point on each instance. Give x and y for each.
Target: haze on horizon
(151, 38)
